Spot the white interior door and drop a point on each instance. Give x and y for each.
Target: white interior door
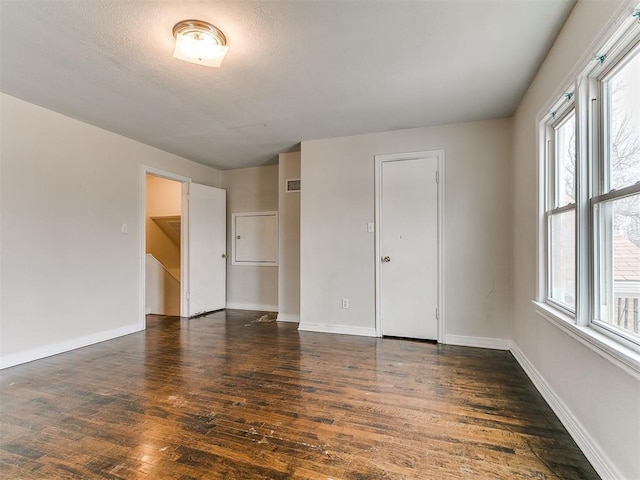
(207, 249)
(408, 247)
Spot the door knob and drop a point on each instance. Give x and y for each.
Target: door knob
(386, 259)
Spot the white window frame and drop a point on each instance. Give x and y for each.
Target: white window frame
(618, 54)
(584, 92)
(559, 116)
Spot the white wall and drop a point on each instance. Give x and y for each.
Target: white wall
(289, 238)
(602, 398)
(337, 253)
(69, 276)
(164, 198)
(251, 190)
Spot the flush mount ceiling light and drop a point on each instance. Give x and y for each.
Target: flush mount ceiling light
(199, 42)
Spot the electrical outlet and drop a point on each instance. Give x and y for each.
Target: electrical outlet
(345, 303)
(370, 227)
(124, 229)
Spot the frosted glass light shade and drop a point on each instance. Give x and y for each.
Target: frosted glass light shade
(199, 42)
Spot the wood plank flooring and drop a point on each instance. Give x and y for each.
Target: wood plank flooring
(223, 396)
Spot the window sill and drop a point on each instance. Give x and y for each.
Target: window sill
(603, 345)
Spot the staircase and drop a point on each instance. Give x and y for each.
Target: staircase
(162, 289)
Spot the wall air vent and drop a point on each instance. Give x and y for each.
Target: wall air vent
(293, 185)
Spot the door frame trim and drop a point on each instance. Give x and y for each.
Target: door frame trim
(379, 160)
(184, 237)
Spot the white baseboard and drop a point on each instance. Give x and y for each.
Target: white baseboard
(600, 462)
(341, 329)
(252, 306)
(479, 342)
(49, 350)
(288, 317)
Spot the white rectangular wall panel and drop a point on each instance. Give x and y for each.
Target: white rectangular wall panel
(255, 238)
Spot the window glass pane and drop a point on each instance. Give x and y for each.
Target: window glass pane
(565, 170)
(623, 90)
(618, 263)
(563, 258)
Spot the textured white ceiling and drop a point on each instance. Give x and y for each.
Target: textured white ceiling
(296, 70)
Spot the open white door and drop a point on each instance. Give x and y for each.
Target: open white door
(207, 249)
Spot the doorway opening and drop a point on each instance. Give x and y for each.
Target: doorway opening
(202, 244)
(163, 245)
(162, 275)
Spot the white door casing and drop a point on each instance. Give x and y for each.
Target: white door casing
(207, 249)
(408, 245)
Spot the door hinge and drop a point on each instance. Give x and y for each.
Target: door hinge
(437, 314)
(437, 177)
(188, 295)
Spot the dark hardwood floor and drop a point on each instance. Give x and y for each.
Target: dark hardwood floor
(225, 397)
